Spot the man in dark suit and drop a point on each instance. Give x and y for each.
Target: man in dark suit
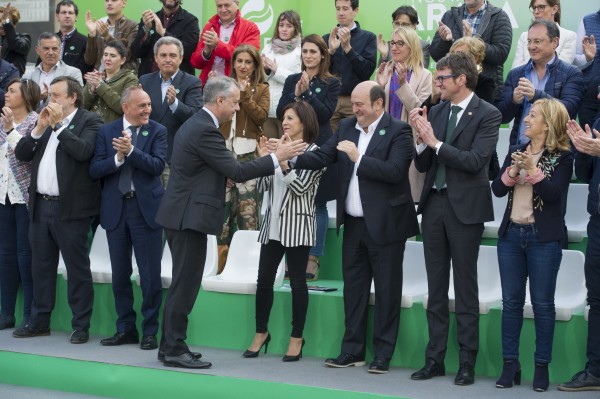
(129, 159)
(193, 206)
(176, 95)
(373, 152)
(455, 148)
(63, 199)
(73, 43)
(170, 21)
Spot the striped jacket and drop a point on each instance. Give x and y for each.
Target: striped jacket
(297, 224)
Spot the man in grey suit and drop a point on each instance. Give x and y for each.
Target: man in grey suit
(454, 148)
(176, 95)
(48, 49)
(373, 152)
(193, 206)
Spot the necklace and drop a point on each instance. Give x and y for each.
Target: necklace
(535, 153)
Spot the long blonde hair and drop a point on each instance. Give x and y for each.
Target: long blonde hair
(411, 39)
(476, 48)
(555, 116)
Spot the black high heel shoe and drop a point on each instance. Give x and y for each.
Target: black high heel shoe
(294, 358)
(511, 372)
(541, 380)
(248, 353)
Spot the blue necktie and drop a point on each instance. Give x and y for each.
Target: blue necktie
(126, 169)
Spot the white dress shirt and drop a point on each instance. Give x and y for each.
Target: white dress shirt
(164, 86)
(47, 180)
(353, 201)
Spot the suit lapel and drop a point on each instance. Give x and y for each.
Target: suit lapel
(156, 96)
(142, 137)
(441, 123)
(466, 117)
(378, 134)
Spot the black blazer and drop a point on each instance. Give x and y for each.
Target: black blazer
(184, 27)
(15, 47)
(466, 159)
(552, 191)
(189, 95)
(79, 195)
(389, 211)
(201, 163)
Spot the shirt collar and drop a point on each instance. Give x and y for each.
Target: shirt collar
(229, 25)
(214, 118)
(126, 123)
(464, 103)
(371, 128)
(70, 117)
(170, 79)
(39, 66)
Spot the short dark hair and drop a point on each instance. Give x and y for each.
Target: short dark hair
(551, 3)
(551, 28)
(47, 36)
(460, 64)
(30, 92)
(377, 92)
(293, 18)
(308, 118)
(67, 3)
(353, 3)
(119, 46)
(73, 87)
(409, 11)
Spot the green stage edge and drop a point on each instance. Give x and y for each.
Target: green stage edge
(123, 382)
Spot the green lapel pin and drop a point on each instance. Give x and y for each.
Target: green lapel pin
(382, 132)
(318, 90)
(177, 91)
(72, 48)
(71, 127)
(145, 133)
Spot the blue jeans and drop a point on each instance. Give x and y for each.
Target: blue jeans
(15, 258)
(592, 281)
(522, 255)
(322, 217)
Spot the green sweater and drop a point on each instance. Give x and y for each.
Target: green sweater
(106, 101)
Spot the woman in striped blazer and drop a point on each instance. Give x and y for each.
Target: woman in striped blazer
(289, 228)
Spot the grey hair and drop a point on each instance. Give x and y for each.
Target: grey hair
(219, 86)
(126, 94)
(46, 36)
(168, 40)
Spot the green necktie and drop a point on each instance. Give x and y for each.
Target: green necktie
(440, 177)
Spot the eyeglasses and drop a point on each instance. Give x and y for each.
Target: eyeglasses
(403, 25)
(540, 8)
(440, 79)
(398, 44)
(535, 42)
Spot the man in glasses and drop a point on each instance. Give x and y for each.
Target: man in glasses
(405, 16)
(481, 18)
(455, 145)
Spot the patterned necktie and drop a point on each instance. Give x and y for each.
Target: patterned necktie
(63, 44)
(440, 177)
(126, 169)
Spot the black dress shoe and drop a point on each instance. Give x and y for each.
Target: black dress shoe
(294, 358)
(80, 337)
(379, 366)
(7, 322)
(186, 361)
(28, 331)
(430, 370)
(582, 381)
(149, 342)
(251, 354)
(130, 337)
(465, 375)
(161, 355)
(345, 360)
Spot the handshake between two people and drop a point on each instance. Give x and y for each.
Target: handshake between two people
(284, 148)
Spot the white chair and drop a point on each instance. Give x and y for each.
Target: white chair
(571, 294)
(100, 259)
(577, 216)
(241, 268)
(488, 280)
(491, 228)
(586, 313)
(414, 281)
(503, 143)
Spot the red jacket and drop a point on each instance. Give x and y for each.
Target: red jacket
(245, 32)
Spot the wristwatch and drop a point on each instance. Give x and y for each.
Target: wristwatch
(286, 172)
(57, 126)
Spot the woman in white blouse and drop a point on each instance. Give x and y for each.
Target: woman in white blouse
(281, 58)
(550, 11)
(18, 120)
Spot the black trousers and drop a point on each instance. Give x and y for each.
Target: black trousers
(445, 238)
(270, 257)
(188, 249)
(363, 261)
(48, 235)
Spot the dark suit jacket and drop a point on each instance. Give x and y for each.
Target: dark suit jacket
(201, 163)
(79, 195)
(466, 159)
(389, 211)
(8, 72)
(148, 162)
(189, 95)
(184, 26)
